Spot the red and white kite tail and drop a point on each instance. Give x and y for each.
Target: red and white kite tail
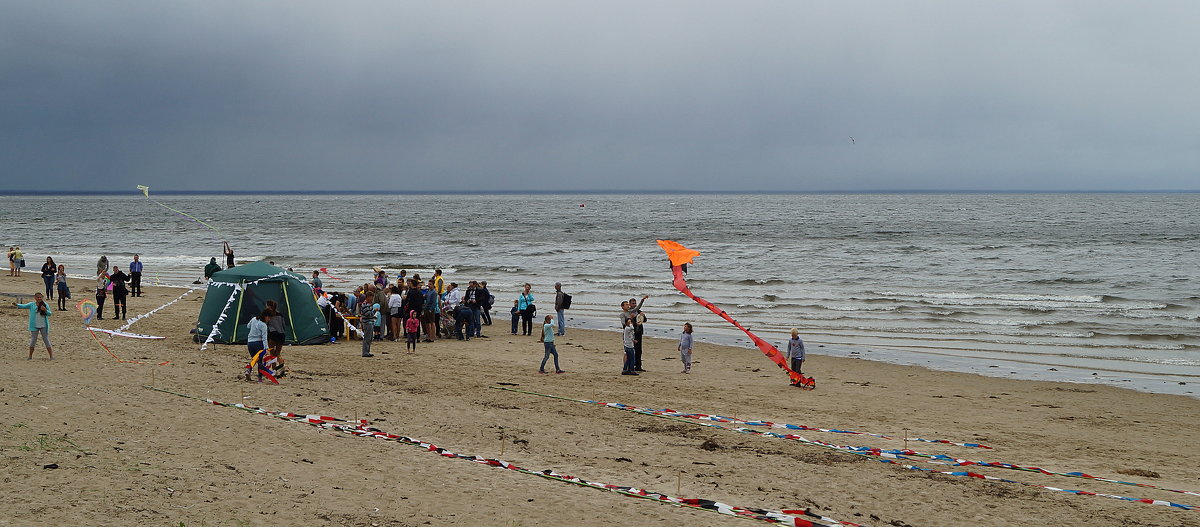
(796, 379)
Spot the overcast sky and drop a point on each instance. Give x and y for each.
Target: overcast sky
(600, 95)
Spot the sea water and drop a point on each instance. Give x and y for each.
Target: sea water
(1080, 287)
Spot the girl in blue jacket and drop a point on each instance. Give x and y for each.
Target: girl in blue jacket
(39, 323)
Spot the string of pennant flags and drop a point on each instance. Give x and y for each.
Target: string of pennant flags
(150, 313)
(666, 412)
(894, 457)
(361, 428)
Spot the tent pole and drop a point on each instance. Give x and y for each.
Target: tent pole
(238, 315)
(289, 311)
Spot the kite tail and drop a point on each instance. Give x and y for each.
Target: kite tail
(259, 363)
(326, 271)
(808, 383)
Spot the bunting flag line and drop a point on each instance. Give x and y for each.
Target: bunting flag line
(116, 333)
(114, 355)
(680, 256)
(666, 412)
(891, 456)
(146, 192)
(87, 309)
(352, 327)
(147, 314)
(361, 428)
(216, 327)
(326, 271)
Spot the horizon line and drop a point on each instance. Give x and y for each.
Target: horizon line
(178, 192)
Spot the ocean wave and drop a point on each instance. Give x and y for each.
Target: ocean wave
(1009, 297)
(760, 281)
(1063, 280)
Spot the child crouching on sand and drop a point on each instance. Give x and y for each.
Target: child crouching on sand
(685, 348)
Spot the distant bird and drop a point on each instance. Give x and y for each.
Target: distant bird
(852, 140)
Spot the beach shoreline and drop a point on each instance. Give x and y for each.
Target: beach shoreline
(126, 454)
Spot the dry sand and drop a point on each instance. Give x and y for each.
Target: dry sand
(131, 456)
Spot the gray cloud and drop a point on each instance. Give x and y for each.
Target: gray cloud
(599, 95)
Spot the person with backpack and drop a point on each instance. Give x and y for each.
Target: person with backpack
(562, 302)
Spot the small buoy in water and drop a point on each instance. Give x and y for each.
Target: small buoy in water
(582, 205)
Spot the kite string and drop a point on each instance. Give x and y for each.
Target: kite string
(114, 355)
(360, 428)
(888, 456)
(193, 218)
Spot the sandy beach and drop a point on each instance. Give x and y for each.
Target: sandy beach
(127, 455)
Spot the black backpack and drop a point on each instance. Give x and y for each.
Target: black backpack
(566, 303)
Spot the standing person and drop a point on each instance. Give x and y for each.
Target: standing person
(562, 302)
(471, 301)
(39, 323)
(638, 318)
(317, 285)
(119, 292)
(438, 283)
(135, 276)
(548, 344)
(12, 261)
(212, 268)
(488, 300)
(18, 259)
(379, 320)
(412, 328)
(101, 294)
(381, 278)
(383, 317)
(64, 292)
(516, 315)
(366, 320)
(414, 298)
(628, 340)
(228, 251)
(527, 307)
(395, 304)
(685, 348)
(795, 352)
(431, 310)
(48, 272)
(276, 335)
(256, 342)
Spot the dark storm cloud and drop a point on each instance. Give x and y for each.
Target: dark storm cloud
(598, 95)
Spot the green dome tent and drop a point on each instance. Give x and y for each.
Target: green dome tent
(237, 294)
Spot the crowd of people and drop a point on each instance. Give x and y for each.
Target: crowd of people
(117, 284)
(402, 307)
